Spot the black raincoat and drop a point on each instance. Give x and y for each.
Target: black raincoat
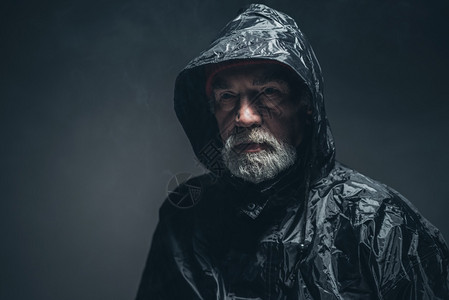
(318, 231)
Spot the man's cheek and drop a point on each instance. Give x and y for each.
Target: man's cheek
(225, 134)
(225, 126)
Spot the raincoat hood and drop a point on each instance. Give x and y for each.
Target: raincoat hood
(258, 32)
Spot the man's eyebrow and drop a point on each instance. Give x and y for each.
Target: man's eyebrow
(220, 85)
(266, 78)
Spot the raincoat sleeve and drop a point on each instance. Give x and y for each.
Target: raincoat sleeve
(407, 256)
(161, 279)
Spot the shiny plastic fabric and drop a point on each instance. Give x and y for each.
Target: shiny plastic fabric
(318, 231)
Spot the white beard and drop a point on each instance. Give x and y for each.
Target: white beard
(259, 166)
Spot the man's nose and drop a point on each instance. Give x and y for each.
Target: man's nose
(247, 113)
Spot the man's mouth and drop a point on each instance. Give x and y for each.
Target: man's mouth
(250, 147)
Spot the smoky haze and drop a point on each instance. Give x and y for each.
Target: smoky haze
(89, 138)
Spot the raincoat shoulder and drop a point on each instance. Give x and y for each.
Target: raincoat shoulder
(172, 270)
(401, 254)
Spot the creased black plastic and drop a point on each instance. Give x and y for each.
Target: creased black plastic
(243, 241)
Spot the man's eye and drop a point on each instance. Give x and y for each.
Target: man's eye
(226, 97)
(270, 91)
(225, 101)
(271, 97)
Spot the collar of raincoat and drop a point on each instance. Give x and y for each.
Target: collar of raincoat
(251, 199)
(258, 32)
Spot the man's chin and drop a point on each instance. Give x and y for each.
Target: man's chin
(258, 156)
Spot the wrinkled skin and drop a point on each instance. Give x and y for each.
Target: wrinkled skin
(318, 231)
(243, 100)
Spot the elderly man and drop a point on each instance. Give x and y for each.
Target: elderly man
(277, 217)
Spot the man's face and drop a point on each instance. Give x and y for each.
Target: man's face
(257, 113)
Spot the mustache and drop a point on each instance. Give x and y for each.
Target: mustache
(253, 135)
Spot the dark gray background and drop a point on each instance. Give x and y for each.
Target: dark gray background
(89, 139)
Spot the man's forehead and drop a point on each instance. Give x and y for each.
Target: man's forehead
(259, 75)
